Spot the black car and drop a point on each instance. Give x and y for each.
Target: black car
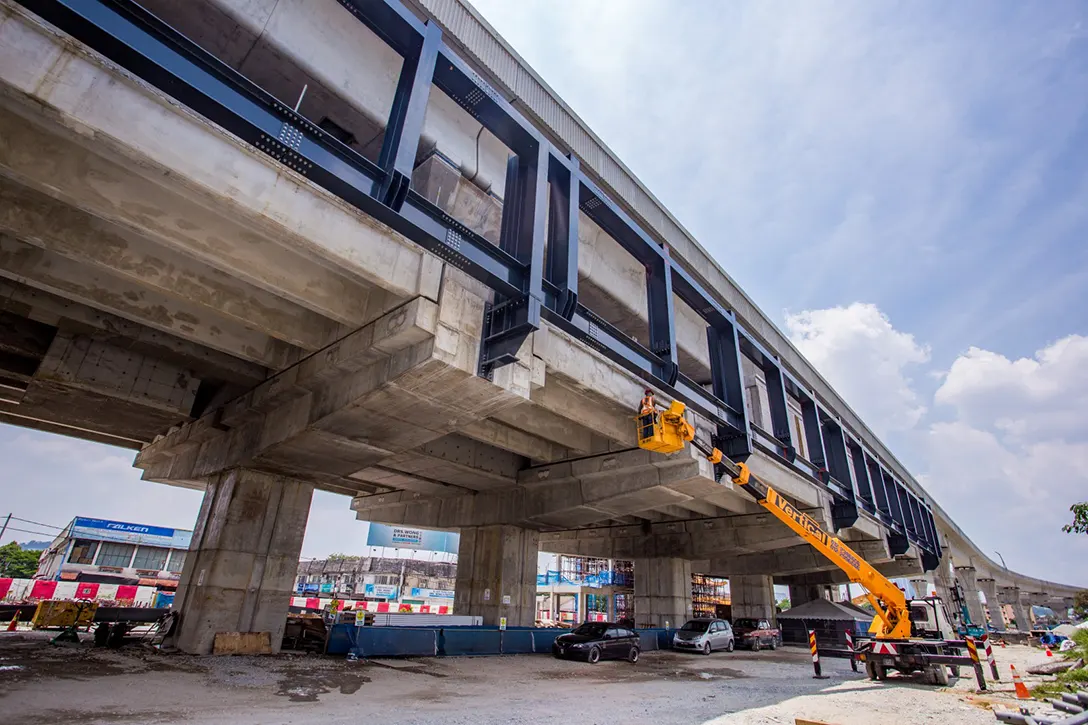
(596, 641)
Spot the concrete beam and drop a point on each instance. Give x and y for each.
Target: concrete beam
(81, 362)
(79, 237)
(505, 437)
(101, 290)
(59, 312)
(798, 559)
(543, 424)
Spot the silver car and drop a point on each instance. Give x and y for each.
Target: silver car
(704, 635)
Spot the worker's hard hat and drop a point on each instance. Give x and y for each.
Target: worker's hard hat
(649, 392)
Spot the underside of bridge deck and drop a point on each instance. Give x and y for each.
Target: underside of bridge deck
(226, 302)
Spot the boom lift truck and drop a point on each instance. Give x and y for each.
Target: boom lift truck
(912, 636)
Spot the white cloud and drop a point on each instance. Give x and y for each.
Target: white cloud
(1013, 457)
(865, 359)
(1044, 396)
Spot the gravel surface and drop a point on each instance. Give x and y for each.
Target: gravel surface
(84, 686)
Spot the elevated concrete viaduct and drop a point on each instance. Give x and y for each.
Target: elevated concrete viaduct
(280, 245)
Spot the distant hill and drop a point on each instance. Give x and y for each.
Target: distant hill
(34, 545)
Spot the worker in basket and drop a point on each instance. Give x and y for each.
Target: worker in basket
(647, 405)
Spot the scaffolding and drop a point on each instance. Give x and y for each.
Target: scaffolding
(709, 596)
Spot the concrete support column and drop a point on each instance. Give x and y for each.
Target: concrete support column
(240, 572)
(753, 596)
(920, 587)
(1011, 596)
(801, 593)
(662, 592)
(1025, 604)
(942, 584)
(993, 603)
(968, 579)
(496, 574)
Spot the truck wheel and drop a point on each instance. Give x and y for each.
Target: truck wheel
(870, 670)
(881, 671)
(940, 675)
(954, 670)
(594, 656)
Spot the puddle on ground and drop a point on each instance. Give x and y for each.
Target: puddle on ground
(308, 687)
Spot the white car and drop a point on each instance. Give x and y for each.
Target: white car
(704, 635)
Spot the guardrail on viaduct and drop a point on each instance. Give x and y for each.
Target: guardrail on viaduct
(534, 268)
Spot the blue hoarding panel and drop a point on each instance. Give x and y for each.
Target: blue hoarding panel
(404, 537)
(543, 639)
(518, 642)
(383, 641)
(471, 642)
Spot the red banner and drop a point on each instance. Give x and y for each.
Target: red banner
(5, 587)
(443, 610)
(86, 590)
(313, 603)
(43, 590)
(126, 592)
(383, 606)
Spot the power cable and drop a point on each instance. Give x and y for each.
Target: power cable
(37, 523)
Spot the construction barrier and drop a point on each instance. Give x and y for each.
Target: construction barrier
(817, 674)
(369, 641)
(383, 641)
(990, 657)
(316, 604)
(972, 651)
(471, 641)
(20, 591)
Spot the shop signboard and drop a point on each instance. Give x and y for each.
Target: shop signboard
(418, 593)
(106, 530)
(381, 591)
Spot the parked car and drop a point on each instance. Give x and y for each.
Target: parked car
(596, 641)
(756, 634)
(704, 635)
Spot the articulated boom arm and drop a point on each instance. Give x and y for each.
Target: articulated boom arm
(890, 604)
(667, 431)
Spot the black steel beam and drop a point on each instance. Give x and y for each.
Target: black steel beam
(405, 126)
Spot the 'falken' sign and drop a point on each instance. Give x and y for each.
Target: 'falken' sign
(134, 533)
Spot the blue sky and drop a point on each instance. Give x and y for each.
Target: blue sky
(902, 187)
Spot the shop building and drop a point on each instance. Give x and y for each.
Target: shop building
(116, 552)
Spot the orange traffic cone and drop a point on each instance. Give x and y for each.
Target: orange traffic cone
(1021, 689)
(1049, 653)
(13, 625)
(1002, 644)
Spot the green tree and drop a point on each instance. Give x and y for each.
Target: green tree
(16, 563)
(783, 605)
(1080, 519)
(1080, 603)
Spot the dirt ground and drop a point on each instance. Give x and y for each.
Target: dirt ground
(84, 686)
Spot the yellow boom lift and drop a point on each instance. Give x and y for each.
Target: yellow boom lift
(668, 430)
